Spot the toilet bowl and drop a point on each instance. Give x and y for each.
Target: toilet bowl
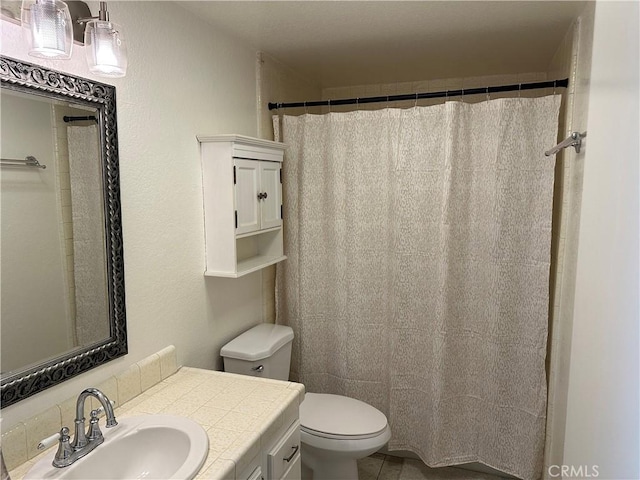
(335, 431)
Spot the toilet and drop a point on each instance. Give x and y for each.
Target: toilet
(335, 431)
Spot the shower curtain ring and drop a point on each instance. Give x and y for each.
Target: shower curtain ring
(357, 103)
(329, 106)
(305, 108)
(488, 96)
(554, 86)
(416, 103)
(519, 89)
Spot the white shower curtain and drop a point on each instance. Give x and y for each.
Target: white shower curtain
(417, 278)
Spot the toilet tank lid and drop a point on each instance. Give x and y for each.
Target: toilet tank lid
(259, 342)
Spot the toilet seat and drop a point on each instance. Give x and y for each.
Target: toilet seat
(340, 418)
(340, 437)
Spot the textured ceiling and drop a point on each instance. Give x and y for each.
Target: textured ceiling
(340, 43)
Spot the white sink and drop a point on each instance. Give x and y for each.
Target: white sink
(146, 446)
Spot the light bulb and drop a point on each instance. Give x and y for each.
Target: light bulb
(47, 28)
(105, 49)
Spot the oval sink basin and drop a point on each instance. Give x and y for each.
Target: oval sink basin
(145, 446)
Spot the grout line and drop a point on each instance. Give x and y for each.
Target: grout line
(381, 467)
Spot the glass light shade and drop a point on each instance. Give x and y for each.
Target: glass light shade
(105, 49)
(47, 27)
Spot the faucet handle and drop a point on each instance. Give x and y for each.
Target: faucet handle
(49, 441)
(64, 447)
(94, 429)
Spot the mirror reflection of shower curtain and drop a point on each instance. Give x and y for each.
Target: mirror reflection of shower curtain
(91, 303)
(417, 278)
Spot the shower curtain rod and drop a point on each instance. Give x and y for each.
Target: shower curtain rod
(416, 96)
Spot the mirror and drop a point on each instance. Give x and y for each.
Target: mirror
(62, 267)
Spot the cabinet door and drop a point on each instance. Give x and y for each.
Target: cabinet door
(271, 193)
(283, 460)
(247, 187)
(295, 470)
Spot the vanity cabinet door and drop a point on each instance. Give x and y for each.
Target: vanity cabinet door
(294, 472)
(284, 457)
(256, 474)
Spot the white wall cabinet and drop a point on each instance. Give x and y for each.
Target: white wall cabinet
(242, 189)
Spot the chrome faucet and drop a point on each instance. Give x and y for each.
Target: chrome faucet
(83, 443)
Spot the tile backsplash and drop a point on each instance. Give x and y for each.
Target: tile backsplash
(19, 442)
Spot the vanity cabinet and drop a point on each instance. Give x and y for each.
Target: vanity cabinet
(280, 456)
(283, 459)
(242, 189)
(279, 459)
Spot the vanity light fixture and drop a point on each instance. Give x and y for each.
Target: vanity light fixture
(50, 27)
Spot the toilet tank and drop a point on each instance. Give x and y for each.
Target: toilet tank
(263, 351)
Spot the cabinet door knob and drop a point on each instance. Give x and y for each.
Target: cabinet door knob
(262, 196)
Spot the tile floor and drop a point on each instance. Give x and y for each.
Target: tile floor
(387, 467)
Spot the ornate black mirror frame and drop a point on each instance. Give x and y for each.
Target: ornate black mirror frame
(36, 80)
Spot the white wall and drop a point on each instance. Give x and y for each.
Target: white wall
(184, 79)
(278, 82)
(602, 406)
(572, 60)
(33, 263)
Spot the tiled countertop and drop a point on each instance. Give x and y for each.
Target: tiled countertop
(239, 413)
